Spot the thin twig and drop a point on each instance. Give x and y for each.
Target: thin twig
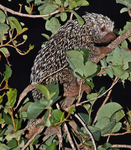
(67, 132)
(80, 95)
(69, 136)
(27, 15)
(71, 16)
(117, 134)
(53, 73)
(108, 138)
(33, 137)
(90, 134)
(106, 99)
(99, 95)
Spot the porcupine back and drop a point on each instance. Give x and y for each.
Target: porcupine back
(70, 36)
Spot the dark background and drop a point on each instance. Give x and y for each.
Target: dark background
(21, 65)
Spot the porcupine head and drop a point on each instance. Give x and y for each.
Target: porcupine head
(102, 27)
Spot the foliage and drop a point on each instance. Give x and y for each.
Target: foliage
(109, 119)
(14, 27)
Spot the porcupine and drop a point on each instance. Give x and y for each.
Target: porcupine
(97, 29)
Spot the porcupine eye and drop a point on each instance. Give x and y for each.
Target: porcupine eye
(103, 29)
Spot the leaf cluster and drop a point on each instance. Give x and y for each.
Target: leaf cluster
(127, 3)
(49, 6)
(14, 27)
(110, 116)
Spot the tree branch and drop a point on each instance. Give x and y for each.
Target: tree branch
(90, 134)
(107, 97)
(113, 45)
(26, 15)
(121, 146)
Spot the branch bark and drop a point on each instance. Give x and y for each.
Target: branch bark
(113, 45)
(27, 15)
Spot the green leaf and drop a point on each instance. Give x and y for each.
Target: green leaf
(110, 72)
(129, 64)
(84, 117)
(124, 44)
(78, 73)
(28, 9)
(80, 20)
(90, 68)
(31, 47)
(12, 95)
(121, 57)
(7, 119)
(17, 135)
(28, 1)
(95, 132)
(2, 17)
(101, 148)
(85, 53)
(12, 143)
(117, 127)
(36, 108)
(109, 109)
(102, 90)
(108, 128)
(106, 145)
(24, 29)
(14, 23)
(2, 121)
(5, 51)
(82, 3)
(48, 123)
(91, 84)
(4, 147)
(23, 114)
(63, 16)
(71, 110)
(66, 3)
(75, 54)
(123, 10)
(72, 4)
(3, 30)
(120, 2)
(25, 37)
(92, 95)
(103, 62)
(78, 63)
(52, 25)
(7, 73)
(53, 88)
(124, 77)
(101, 123)
(126, 27)
(48, 9)
(58, 115)
(105, 125)
(46, 36)
(43, 89)
(51, 147)
(58, 2)
(118, 71)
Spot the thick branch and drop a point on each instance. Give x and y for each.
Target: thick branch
(26, 15)
(113, 45)
(120, 39)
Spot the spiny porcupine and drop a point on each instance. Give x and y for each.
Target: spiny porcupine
(71, 36)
